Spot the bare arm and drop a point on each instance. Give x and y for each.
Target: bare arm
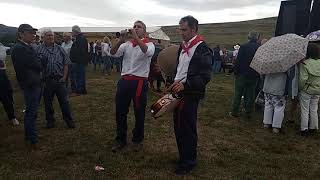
(115, 48)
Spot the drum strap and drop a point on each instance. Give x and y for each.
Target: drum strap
(139, 86)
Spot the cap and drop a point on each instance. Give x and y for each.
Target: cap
(26, 27)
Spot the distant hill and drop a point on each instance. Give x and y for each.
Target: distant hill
(228, 34)
(7, 34)
(7, 30)
(224, 34)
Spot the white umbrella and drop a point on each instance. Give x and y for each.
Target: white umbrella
(279, 54)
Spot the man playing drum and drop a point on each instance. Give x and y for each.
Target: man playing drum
(133, 84)
(192, 74)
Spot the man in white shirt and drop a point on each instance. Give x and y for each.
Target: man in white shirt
(6, 97)
(133, 84)
(192, 74)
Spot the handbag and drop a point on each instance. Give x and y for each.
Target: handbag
(260, 99)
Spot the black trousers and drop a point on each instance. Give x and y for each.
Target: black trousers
(6, 95)
(185, 128)
(127, 91)
(54, 87)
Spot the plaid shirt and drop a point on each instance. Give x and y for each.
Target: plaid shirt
(53, 59)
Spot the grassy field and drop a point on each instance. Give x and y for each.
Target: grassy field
(228, 34)
(228, 148)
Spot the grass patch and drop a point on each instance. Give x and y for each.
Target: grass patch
(228, 148)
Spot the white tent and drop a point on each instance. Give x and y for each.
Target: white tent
(154, 32)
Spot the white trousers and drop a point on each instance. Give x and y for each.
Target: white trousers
(274, 110)
(309, 111)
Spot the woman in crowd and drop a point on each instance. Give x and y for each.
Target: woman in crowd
(106, 46)
(309, 89)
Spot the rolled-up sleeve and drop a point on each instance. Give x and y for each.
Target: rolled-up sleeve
(150, 50)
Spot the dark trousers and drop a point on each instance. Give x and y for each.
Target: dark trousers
(79, 72)
(6, 95)
(73, 76)
(185, 128)
(53, 87)
(128, 90)
(244, 87)
(32, 96)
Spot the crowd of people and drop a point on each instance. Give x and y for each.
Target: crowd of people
(299, 84)
(44, 70)
(47, 69)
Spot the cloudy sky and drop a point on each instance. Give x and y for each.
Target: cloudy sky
(95, 13)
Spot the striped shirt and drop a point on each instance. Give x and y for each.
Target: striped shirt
(54, 59)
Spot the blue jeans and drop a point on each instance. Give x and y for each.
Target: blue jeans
(216, 66)
(97, 60)
(32, 98)
(80, 78)
(106, 64)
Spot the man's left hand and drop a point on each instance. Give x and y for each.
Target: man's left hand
(134, 34)
(177, 87)
(63, 80)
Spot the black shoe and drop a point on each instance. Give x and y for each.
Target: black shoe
(304, 133)
(71, 125)
(181, 170)
(136, 147)
(49, 126)
(118, 147)
(312, 131)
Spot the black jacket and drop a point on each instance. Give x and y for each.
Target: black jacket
(199, 72)
(244, 58)
(79, 50)
(27, 65)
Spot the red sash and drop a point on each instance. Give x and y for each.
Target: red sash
(139, 86)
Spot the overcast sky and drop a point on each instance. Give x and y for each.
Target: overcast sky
(95, 13)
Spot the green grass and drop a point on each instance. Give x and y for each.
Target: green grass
(228, 148)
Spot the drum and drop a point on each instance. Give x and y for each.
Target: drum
(166, 104)
(167, 60)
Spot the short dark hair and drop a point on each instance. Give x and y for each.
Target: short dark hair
(117, 34)
(313, 51)
(143, 25)
(191, 21)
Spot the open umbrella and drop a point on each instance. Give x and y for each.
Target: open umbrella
(279, 54)
(314, 36)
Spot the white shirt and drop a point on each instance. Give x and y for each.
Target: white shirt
(67, 47)
(235, 53)
(94, 48)
(3, 55)
(135, 62)
(184, 61)
(105, 49)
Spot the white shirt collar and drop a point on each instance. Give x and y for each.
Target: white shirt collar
(189, 42)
